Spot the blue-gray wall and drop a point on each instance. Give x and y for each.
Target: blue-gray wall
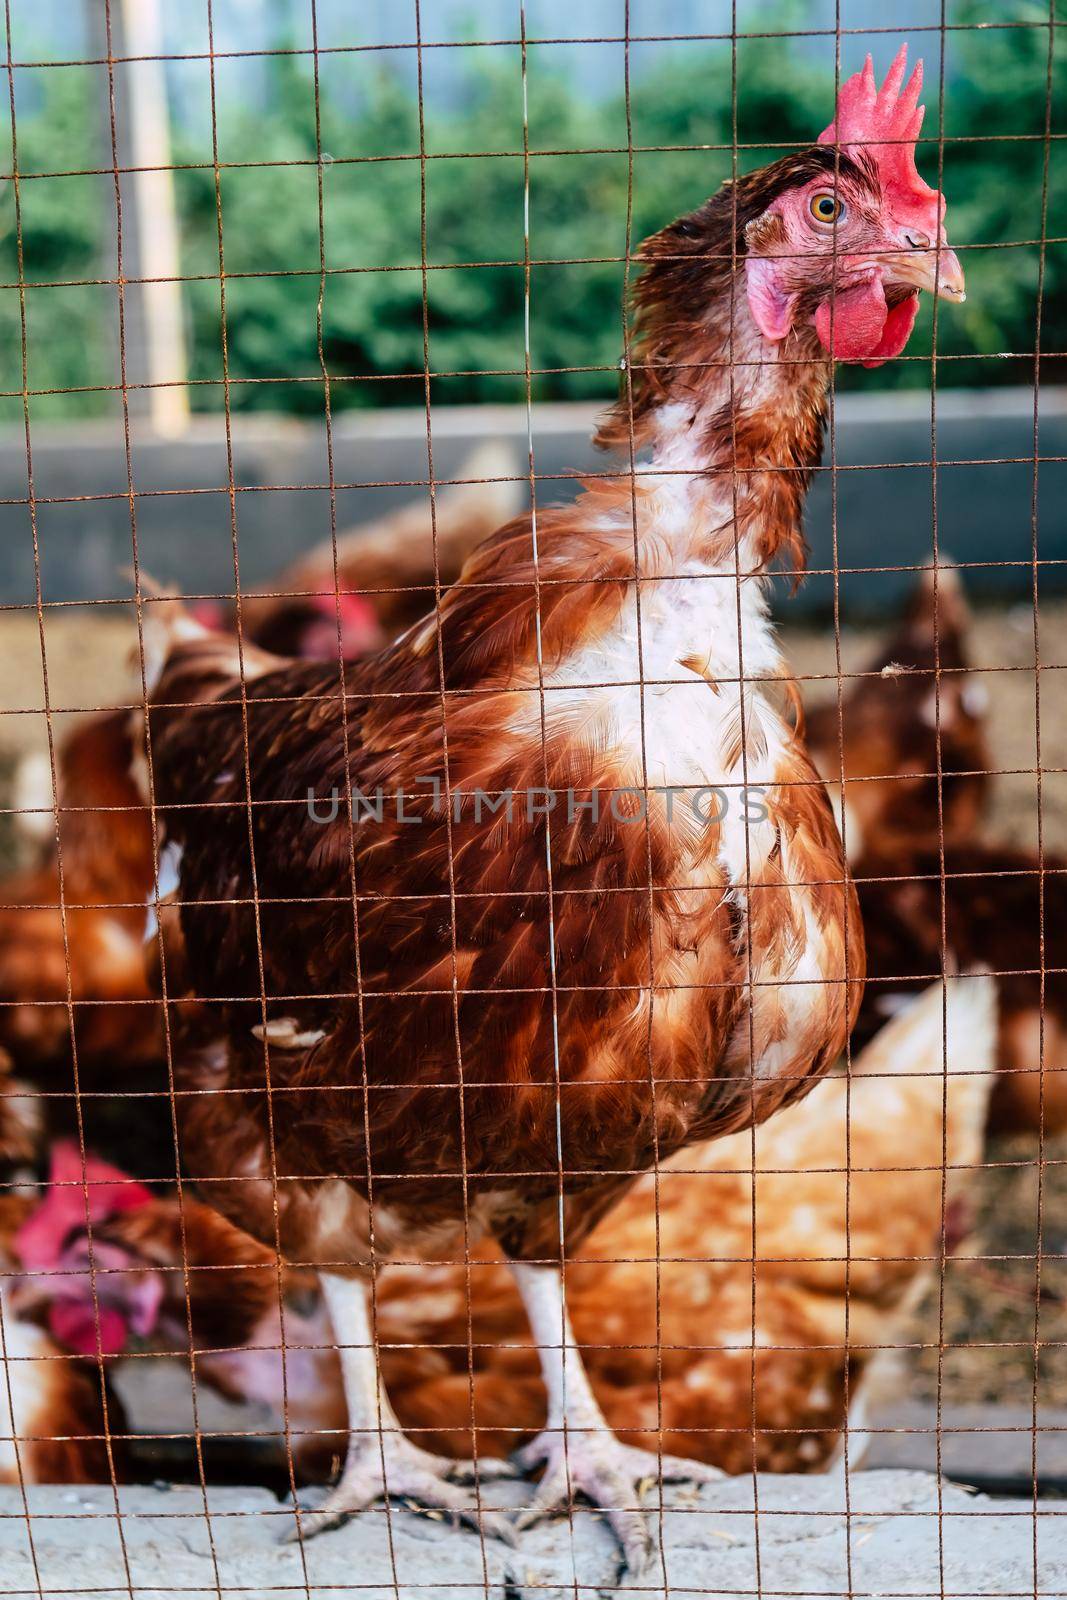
(885, 493)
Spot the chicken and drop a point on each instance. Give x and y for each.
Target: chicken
(848, 1211)
(993, 897)
(893, 727)
(519, 1014)
(21, 1121)
(54, 1425)
(848, 1221)
(106, 856)
(915, 713)
(174, 1277)
(106, 831)
(222, 1297)
(391, 563)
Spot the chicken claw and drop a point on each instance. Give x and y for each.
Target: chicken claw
(613, 1475)
(398, 1470)
(578, 1450)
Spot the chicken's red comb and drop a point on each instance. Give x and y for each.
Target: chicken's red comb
(354, 608)
(888, 119)
(42, 1236)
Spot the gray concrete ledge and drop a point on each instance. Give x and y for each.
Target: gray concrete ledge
(891, 1535)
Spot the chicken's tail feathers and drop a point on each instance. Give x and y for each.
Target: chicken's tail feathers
(945, 1043)
(973, 1012)
(166, 626)
(972, 1058)
(951, 1026)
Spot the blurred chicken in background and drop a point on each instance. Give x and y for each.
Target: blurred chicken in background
(913, 740)
(1001, 911)
(104, 861)
(913, 699)
(382, 579)
(54, 1426)
(385, 574)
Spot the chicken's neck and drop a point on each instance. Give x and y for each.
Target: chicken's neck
(736, 423)
(719, 431)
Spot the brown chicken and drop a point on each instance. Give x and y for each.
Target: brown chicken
(53, 1424)
(173, 1277)
(893, 728)
(106, 830)
(914, 713)
(848, 1208)
(993, 902)
(105, 842)
(518, 1014)
(384, 577)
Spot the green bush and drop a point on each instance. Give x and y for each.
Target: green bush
(68, 233)
(372, 320)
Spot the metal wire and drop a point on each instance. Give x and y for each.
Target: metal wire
(744, 1243)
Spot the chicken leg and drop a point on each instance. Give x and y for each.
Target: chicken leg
(577, 1448)
(381, 1461)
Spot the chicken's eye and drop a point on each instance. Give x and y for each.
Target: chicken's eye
(826, 207)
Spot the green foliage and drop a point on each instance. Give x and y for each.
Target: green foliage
(377, 194)
(68, 233)
(1014, 190)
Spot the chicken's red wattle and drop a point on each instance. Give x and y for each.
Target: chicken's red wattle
(857, 325)
(73, 1324)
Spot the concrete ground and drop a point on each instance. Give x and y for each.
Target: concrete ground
(884, 1533)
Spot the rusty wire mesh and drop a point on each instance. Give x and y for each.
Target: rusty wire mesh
(78, 1101)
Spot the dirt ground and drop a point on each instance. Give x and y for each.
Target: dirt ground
(993, 1339)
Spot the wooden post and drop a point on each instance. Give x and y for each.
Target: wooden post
(155, 332)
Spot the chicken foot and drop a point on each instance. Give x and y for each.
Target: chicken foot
(577, 1448)
(381, 1461)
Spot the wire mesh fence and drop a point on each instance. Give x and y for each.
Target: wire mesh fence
(439, 1026)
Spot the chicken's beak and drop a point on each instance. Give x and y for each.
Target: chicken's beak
(934, 268)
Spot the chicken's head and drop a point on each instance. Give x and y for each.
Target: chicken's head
(93, 1297)
(308, 627)
(851, 233)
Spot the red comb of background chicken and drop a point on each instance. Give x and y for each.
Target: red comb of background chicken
(887, 122)
(41, 1238)
(54, 1240)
